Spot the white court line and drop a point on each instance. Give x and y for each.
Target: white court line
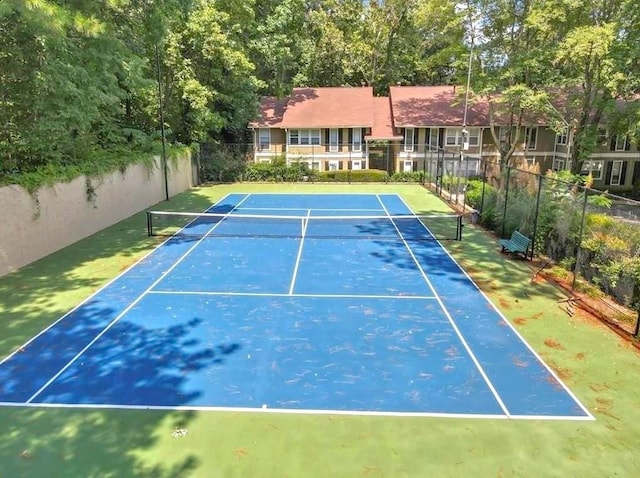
(303, 209)
(293, 411)
(510, 325)
(127, 309)
(451, 321)
(305, 224)
(98, 291)
(311, 296)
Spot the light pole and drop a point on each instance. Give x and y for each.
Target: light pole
(162, 133)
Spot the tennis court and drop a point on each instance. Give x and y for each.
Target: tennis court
(307, 303)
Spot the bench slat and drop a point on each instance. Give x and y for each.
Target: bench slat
(518, 243)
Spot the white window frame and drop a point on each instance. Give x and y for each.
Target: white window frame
(305, 137)
(408, 140)
(593, 167)
(621, 138)
(562, 138)
(452, 133)
(616, 172)
(334, 135)
(264, 139)
(356, 140)
(334, 165)
(603, 136)
(559, 164)
(433, 137)
(356, 164)
(407, 166)
(314, 136)
(313, 165)
(474, 136)
(527, 138)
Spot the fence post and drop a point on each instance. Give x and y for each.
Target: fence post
(424, 167)
(535, 216)
(464, 188)
(576, 247)
(484, 183)
(506, 200)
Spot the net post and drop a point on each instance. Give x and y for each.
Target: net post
(149, 225)
(459, 231)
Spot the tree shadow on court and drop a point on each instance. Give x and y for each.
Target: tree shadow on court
(130, 364)
(139, 365)
(478, 255)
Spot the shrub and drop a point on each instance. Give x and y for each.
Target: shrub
(278, 171)
(409, 177)
(358, 176)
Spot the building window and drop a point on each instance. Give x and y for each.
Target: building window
(616, 173)
(433, 138)
(558, 164)
(264, 139)
(357, 139)
(531, 137)
(603, 136)
(334, 165)
(456, 137)
(592, 167)
(407, 167)
(304, 136)
(562, 138)
(621, 143)
(408, 139)
(474, 136)
(452, 137)
(333, 140)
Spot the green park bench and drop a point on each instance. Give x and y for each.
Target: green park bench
(518, 244)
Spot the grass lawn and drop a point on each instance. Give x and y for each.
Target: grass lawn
(599, 367)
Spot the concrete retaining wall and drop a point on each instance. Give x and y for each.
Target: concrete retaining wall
(66, 212)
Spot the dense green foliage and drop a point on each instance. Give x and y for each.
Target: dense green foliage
(356, 176)
(80, 80)
(570, 223)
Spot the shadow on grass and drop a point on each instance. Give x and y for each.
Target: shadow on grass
(89, 443)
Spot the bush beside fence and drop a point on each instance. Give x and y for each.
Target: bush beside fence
(572, 225)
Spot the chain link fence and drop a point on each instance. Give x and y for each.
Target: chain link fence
(593, 235)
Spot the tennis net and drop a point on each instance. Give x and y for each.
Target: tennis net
(392, 227)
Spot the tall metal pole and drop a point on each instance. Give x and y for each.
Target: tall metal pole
(535, 217)
(506, 200)
(162, 133)
(578, 244)
(484, 183)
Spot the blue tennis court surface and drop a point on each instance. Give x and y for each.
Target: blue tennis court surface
(366, 317)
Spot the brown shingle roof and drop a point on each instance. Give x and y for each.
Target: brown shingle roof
(345, 107)
(271, 112)
(435, 106)
(382, 121)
